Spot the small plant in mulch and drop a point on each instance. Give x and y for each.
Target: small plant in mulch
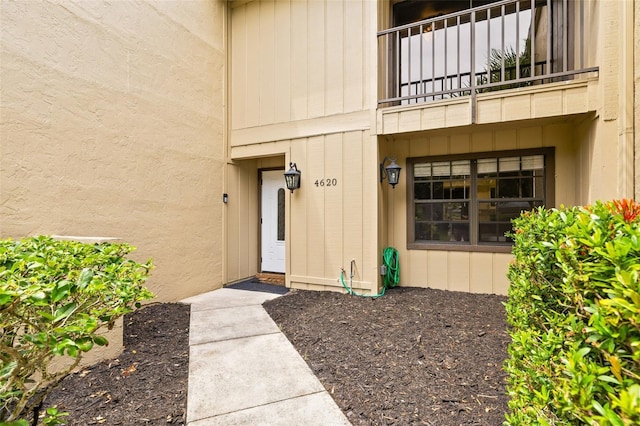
(55, 299)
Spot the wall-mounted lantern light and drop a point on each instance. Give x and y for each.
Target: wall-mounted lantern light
(391, 172)
(292, 177)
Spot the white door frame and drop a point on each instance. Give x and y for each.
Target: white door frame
(272, 227)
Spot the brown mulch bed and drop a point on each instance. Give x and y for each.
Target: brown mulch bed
(413, 356)
(146, 384)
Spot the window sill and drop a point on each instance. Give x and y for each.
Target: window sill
(481, 248)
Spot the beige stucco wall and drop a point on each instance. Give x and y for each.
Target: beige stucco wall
(112, 125)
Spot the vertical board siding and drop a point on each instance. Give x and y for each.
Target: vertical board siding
(283, 59)
(242, 221)
(333, 205)
(244, 212)
(252, 65)
(500, 267)
(369, 193)
(232, 221)
(314, 166)
(481, 266)
(417, 266)
(317, 57)
(327, 223)
(353, 192)
(238, 68)
(298, 219)
(299, 66)
(459, 265)
(354, 65)
(437, 270)
(334, 66)
(474, 271)
(266, 56)
(295, 60)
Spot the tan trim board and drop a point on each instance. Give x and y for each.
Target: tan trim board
(299, 279)
(258, 150)
(354, 121)
(236, 3)
(552, 100)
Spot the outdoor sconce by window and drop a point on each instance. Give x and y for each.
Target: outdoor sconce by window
(292, 177)
(391, 172)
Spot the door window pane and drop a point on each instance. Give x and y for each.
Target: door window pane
(281, 214)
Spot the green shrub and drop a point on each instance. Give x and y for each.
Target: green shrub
(54, 297)
(574, 309)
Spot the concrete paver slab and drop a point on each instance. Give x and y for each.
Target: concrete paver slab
(214, 325)
(317, 409)
(237, 374)
(244, 371)
(227, 298)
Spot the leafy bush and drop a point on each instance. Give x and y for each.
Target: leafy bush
(574, 308)
(54, 298)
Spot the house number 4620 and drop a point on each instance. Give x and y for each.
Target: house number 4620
(326, 182)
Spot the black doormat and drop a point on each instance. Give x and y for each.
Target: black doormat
(255, 285)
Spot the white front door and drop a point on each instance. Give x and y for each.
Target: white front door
(272, 221)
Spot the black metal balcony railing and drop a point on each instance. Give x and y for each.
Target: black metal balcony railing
(484, 49)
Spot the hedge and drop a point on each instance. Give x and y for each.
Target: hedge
(574, 310)
(54, 298)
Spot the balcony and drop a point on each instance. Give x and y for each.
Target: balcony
(502, 45)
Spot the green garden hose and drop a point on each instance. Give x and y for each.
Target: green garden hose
(391, 262)
(391, 277)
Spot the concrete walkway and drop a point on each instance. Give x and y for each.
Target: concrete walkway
(244, 371)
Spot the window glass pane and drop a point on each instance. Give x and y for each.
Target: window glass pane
(488, 233)
(442, 169)
(460, 189)
(508, 188)
(538, 187)
(423, 231)
(486, 212)
(422, 170)
(509, 164)
(461, 168)
(455, 211)
(425, 211)
(422, 190)
(443, 197)
(442, 232)
(486, 188)
(533, 162)
(487, 166)
(526, 186)
(459, 232)
(503, 229)
(511, 209)
(438, 191)
(281, 214)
